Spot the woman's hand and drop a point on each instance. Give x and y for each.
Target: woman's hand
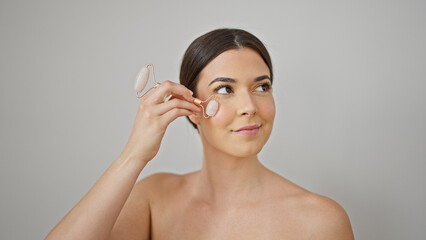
(153, 117)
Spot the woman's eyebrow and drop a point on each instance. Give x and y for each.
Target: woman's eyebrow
(231, 80)
(260, 78)
(223, 79)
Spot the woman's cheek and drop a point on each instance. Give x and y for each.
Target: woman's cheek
(268, 109)
(223, 116)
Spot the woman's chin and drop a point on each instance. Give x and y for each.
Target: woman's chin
(245, 151)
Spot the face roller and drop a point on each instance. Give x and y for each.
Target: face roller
(142, 80)
(211, 108)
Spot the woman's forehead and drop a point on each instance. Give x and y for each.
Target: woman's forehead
(243, 63)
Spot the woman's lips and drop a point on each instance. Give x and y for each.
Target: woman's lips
(251, 130)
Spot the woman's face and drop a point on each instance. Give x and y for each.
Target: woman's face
(240, 80)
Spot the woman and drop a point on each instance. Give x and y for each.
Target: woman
(233, 196)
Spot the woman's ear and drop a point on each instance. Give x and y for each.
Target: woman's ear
(194, 119)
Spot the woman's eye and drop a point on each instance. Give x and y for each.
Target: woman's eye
(263, 88)
(223, 90)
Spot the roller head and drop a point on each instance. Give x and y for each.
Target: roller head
(141, 79)
(212, 108)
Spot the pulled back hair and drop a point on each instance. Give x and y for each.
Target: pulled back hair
(210, 45)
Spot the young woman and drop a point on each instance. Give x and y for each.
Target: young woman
(233, 196)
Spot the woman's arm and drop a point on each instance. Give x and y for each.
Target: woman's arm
(94, 216)
(134, 221)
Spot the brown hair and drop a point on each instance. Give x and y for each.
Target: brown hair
(210, 45)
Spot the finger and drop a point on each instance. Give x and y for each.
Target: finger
(178, 97)
(176, 103)
(168, 88)
(146, 98)
(171, 115)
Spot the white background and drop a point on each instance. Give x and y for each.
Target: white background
(349, 88)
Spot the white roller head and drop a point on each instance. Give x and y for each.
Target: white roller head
(212, 108)
(141, 79)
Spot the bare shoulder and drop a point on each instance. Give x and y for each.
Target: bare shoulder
(158, 183)
(325, 217)
(160, 177)
(134, 220)
(321, 217)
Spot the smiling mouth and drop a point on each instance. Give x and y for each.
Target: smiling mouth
(251, 130)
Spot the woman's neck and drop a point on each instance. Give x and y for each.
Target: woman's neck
(227, 179)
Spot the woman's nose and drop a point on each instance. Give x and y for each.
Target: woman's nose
(246, 105)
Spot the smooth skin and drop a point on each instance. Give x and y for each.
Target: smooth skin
(233, 196)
